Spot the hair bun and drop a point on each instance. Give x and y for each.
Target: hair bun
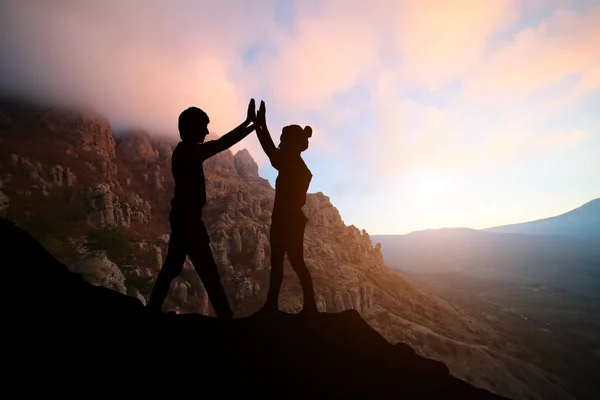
(308, 131)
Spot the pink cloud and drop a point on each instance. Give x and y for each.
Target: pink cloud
(329, 50)
(341, 43)
(416, 137)
(440, 40)
(564, 45)
(137, 63)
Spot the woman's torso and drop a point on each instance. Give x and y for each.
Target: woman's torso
(290, 189)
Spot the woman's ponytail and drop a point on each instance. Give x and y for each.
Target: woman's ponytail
(308, 131)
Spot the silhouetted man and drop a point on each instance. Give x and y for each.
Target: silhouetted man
(188, 232)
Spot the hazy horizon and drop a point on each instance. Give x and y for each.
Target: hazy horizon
(488, 227)
(493, 125)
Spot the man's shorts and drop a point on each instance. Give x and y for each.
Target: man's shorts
(189, 228)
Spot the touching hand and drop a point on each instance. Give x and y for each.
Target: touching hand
(261, 115)
(251, 117)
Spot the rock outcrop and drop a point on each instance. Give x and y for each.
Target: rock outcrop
(245, 165)
(104, 209)
(97, 269)
(84, 131)
(136, 146)
(4, 201)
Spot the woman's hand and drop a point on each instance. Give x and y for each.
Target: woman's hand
(261, 119)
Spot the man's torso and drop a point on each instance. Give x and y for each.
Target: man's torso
(189, 182)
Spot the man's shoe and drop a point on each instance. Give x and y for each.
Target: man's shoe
(267, 312)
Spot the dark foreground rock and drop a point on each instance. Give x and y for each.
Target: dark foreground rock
(64, 336)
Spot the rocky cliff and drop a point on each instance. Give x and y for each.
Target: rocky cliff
(99, 201)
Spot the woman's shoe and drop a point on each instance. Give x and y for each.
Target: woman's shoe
(309, 311)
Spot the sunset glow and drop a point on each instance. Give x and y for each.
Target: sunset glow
(431, 188)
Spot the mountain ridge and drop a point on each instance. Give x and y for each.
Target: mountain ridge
(586, 210)
(581, 221)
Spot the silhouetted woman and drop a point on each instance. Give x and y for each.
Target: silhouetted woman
(288, 220)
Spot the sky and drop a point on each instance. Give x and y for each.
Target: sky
(425, 114)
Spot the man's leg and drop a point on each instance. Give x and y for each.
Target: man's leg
(206, 267)
(171, 268)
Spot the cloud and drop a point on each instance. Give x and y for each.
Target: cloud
(417, 137)
(137, 63)
(562, 46)
(441, 40)
(331, 48)
(495, 116)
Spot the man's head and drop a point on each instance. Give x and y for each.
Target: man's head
(294, 138)
(193, 125)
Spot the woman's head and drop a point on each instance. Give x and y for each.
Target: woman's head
(294, 138)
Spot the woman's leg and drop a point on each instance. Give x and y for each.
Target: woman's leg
(295, 251)
(276, 277)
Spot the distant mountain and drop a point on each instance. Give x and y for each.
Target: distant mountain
(582, 221)
(570, 262)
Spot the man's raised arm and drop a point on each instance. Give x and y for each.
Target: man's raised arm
(229, 139)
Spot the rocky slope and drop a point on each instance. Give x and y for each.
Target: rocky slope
(328, 355)
(99, 201)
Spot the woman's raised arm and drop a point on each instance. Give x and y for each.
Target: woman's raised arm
(264, 137)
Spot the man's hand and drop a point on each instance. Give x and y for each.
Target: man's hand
(213, 147)
(261, 120)
(251, 117)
